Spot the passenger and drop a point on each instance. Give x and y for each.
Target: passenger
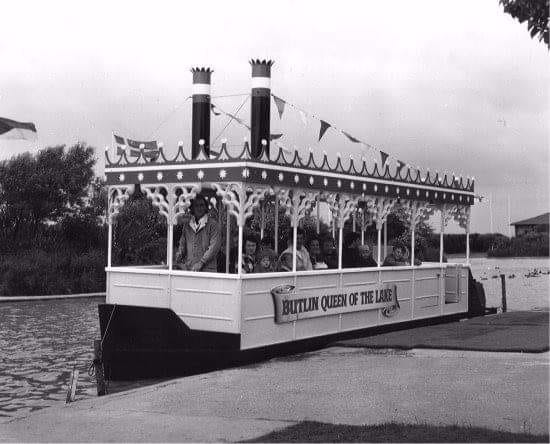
(200, 239)
(315, 254)
(365, 258)
(407, 257)
(267, 261)
(303, 261)
(396, 257)
(285, 262)
(350, 253)
(328, 250)
(250, 248)
(265, 242)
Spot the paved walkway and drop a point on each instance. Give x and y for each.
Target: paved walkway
(337, 385)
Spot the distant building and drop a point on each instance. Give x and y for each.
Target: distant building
(537, 224)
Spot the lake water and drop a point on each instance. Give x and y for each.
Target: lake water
(41, 341)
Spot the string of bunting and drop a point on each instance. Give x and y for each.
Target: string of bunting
(281, 104)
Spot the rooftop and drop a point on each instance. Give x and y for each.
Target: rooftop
(542, 219)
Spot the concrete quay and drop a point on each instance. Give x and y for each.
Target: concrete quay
(343, 384)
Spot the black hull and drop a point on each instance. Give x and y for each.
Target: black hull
(147, 342)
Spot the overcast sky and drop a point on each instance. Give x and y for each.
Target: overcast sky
(450, 85)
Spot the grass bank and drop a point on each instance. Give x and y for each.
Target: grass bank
(311, 431)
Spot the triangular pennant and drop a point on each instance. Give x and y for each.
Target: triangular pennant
(303, 117)
(350, 137)
(213, 109)
(384, 157)
(275, 136)
(324, 127)
(400, 165)
(280, 104)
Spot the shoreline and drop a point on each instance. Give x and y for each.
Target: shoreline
(49, 297)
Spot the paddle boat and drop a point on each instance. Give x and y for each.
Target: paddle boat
(156, 317)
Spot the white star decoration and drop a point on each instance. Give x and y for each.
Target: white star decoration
(375, 187)
(364, 187)
(325, 182)
(223, 174)
(246, 173)
(352, 185)
(200, 174)
(397, 190)
(281, 177)
(264, 175)
(339, 183)
(408, 191)
(386, 189)
(296, 178)
(179, 175)
(121, 177)
(311, 180)
(159, 176)
(140, 177)
(452, 197)
(418, 192)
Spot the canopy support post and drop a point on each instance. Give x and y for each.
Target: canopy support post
(227, 240)
(413, 231)
(262, 219)
(170, 246)
(318, 210)
(276, 221)
(362, 228)
(240, 252)
(385, 227)
(340, 232)
(294, 238)
(109, 244)
(379, 248)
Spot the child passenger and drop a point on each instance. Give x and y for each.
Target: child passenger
(267, 261)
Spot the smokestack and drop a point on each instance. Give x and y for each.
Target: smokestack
(260, 109)
(200, 130)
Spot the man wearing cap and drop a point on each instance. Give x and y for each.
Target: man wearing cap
(200, 239)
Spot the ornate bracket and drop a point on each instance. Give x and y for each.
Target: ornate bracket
(118, 195)
(158, 199)
(241, 200)
(462, 215)
(381, 208)
(296, 203)
(447, 212)
(342, 207)
(418, 211)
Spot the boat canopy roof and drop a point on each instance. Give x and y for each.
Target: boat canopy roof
(311, 172)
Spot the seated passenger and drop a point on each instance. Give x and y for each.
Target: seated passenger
(329, 252)
(249, 254)
(407, 258)
(266, 262)
(200, 239)
(303, 261)
(396, 257)
(315, 254)
(350, 252)
(365, 258)
(265, 242)
(285, 262)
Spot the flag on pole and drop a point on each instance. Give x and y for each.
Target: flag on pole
(324, 127)
(400, 166)
(280, 104)
(275, 136)
(213, 109)
(11, 129)
(150, 148)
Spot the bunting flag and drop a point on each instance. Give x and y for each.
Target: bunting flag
(384, 157)
(400, 165)
(280, 104)
(351, 138)
(213, 109)
(150, 148)
(11, 129)
(324, 127)
(303, 117)
(275, 136)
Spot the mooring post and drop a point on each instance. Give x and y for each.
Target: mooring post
(71, 391)
(503, 285)
(98, 368)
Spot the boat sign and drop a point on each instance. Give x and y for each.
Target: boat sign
(290, 305)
